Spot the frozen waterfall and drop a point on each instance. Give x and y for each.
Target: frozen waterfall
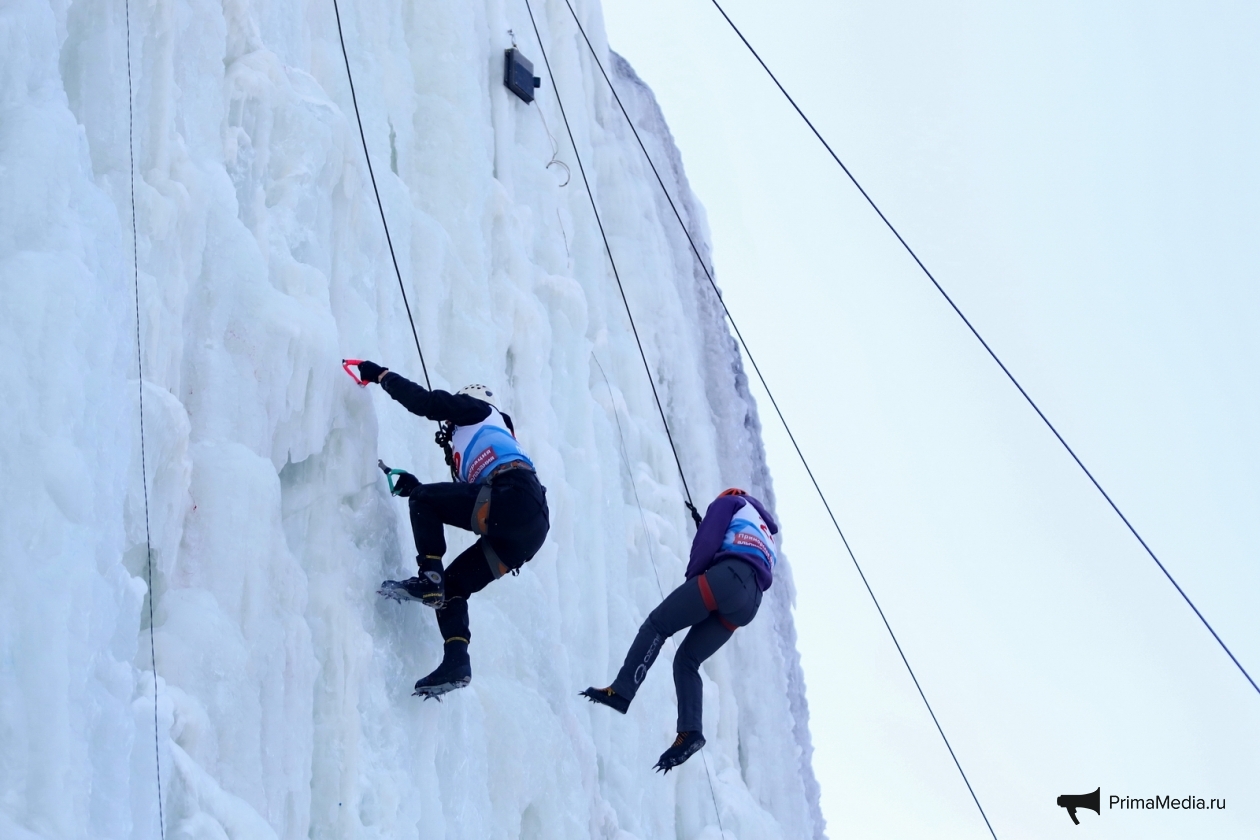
(283, 681)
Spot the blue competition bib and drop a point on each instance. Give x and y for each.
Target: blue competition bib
(484, 446)
(748, 535)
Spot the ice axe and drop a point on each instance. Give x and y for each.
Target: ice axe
(346, 363)
(390, 475)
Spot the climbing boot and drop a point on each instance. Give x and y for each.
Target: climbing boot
(428, 587)
(454, 672)
(607, 697)
(685, 746)
(411, 589)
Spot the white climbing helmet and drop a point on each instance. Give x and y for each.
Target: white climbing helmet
(480, 392)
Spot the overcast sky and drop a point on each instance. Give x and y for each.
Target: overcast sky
(1084, 179)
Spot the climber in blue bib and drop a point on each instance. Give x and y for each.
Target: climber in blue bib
(732, 562)
(495, 494)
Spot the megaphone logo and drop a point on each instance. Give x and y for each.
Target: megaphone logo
(1072, 801)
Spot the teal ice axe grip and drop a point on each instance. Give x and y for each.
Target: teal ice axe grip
(390, 475)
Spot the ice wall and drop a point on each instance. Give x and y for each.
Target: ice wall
(283, 690)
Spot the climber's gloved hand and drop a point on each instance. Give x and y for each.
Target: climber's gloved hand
(371, 371)
(405, 483)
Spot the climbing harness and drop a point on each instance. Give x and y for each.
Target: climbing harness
(144, 475)
(1028, 398)
(710, 602)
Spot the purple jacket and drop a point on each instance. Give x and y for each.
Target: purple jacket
(706, 547)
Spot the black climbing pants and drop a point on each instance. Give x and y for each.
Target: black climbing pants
(512, 519)
(712, 605)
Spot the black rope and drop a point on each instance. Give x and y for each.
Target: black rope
(379, 206)
(782, 419)
(989, 350)
(144, 477)
(695, 514)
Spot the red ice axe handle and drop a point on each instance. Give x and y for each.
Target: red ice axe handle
(346, 363)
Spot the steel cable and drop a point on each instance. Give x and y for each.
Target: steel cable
(989, 349)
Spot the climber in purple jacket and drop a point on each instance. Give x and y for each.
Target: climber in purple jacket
(732, 563)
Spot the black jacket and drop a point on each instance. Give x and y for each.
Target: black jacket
(442, 406)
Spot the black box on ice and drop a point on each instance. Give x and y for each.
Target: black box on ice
(518, 74)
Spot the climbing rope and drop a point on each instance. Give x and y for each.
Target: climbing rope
(695, 514)
(625, 459)
(144, 476)
(987, 348)
(783, 420)
(379, 206)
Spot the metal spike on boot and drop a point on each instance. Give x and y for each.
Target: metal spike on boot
(607, 697)
(429, 587)
(413, 589)
(684, 747)
(454, 672)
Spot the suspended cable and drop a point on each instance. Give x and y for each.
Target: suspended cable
(782, 419)
(695, 514)
(144, 476)
(987, 348)
(379, 206)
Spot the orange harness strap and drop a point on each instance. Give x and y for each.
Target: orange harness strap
(710, 603)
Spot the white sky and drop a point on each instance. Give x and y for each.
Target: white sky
(1083, 178)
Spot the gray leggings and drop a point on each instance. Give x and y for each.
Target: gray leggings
(731, 601)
